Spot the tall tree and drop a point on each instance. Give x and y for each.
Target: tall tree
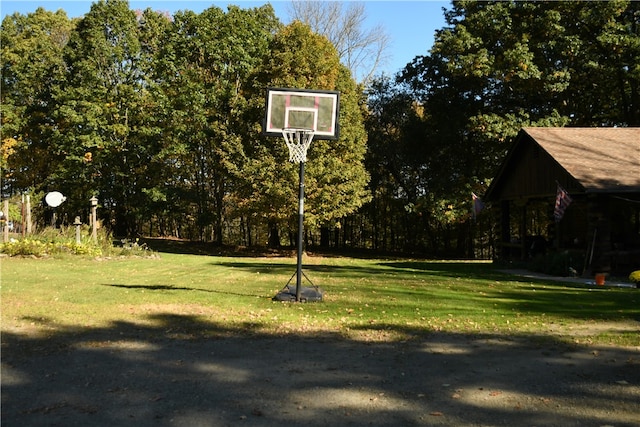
(336, 177)
(107, 109)
(499, 66)
(395, 158)
(362, 50)
(205, 66)
(491, 72)
(32, 69)
(100, 116)
(603, 58)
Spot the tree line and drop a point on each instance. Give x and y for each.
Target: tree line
(160, 116)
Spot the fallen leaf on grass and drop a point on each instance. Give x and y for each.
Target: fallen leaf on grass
(436, 413)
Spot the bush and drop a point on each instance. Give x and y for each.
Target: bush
(39, 248)
(635, 278)
(52, 241)
(25, 247)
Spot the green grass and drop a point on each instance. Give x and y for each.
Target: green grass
(364, 299)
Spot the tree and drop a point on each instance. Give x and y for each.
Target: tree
(503, 65)
(204, 67)
(603, 59)
(395, 158)
(102, 130)
(335, 179)
(361, 50)
(32, 68)
(493, 71)
(499, 66)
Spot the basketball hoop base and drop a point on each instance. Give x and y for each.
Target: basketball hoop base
(307, 294)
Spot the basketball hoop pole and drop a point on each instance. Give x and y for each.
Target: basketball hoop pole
(300, 230)
(298, 141)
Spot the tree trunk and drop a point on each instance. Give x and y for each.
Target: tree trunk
(325, 237)
(274, 235)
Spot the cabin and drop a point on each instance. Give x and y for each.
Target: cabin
(599, 169)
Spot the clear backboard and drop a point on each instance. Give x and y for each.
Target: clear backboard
(302, 109)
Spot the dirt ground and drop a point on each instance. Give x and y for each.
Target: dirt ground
(132, 375)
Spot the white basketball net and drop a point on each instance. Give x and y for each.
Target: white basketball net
(298, 141)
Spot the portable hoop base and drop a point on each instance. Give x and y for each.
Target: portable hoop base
(304, 294)
(299, 293)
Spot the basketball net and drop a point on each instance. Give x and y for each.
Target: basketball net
(298, 141)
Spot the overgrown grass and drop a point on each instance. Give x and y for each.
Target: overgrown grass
(364, 299)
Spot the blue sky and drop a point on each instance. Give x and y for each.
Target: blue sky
(409, 24)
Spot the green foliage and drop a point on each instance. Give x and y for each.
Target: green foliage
(335, 176)
(58, 242)
(442, 130)
(500, 66)
(25, 247)
(203, 99)
(32, 68)
(159, 116)
(39, 248)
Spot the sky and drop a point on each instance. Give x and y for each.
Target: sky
(410, 25)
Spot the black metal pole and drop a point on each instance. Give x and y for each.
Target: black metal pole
(300, 230)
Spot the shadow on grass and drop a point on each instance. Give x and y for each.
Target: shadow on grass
(453, 269)
(176, 288)
(181, 370)
(476, 270)
(290, 268)
(188, 247)
(481, 283)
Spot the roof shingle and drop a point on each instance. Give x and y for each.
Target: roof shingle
(601, 159)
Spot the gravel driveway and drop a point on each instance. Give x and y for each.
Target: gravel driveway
(132, 375)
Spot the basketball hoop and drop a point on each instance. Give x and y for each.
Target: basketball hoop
(298, 141)
(300, 115)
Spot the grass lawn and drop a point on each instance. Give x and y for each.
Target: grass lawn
(365, 299)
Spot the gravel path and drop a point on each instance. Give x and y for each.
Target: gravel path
(132, 375)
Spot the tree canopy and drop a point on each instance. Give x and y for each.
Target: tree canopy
(448, 120)
(159, 117)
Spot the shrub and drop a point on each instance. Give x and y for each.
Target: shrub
(635, 278)
(25, 247)
(39, 248)
(52, 241)
(131, 248)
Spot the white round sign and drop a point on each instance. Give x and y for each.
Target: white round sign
(54, 199)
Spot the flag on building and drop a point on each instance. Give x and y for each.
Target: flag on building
(563, 200)
(477, 205)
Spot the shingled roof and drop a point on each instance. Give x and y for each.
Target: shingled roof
(600, 159)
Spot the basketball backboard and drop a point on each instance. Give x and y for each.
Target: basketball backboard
(302, 109)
